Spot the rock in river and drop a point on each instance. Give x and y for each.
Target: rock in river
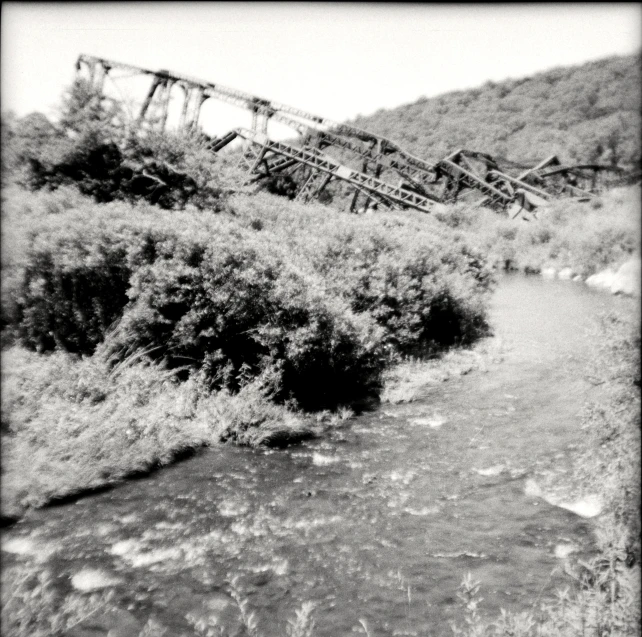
(93, 579)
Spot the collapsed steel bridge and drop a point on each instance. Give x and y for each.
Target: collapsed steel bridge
(374, 170)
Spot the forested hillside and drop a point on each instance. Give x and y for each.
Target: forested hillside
(587, 113)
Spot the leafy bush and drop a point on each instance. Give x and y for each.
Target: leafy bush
(424, 287)
(73, 286)
(311, 293)
(223, 302)
(575, 234)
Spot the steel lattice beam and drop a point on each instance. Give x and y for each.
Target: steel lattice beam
(318, 161)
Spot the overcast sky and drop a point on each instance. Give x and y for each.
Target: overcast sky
(335, 59)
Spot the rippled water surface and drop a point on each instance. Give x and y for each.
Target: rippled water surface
(379, 521)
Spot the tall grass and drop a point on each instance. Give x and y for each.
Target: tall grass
(585, 236)
(31, 607)
(70, 425)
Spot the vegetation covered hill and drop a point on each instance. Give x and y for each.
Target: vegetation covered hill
(587, 113)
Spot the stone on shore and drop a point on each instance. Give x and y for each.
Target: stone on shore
(625, 280)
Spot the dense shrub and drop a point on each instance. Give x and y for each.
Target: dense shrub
(424, 286)
(73, 284)
(225, 303)
(93, 147)
(323, 298)
(133, 170)
(585, 236)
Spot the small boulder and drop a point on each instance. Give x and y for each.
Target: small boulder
(433, 422)
(603, 279)
(588, 507)
(93, 579)
(627, 278)
(495, 470)
(562, 551)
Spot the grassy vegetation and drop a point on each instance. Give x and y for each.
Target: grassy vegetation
(603, 596)
(72, 425)
(610, 462)
(363, 303)
(79, 422)
(91, 147)
(32, 607)
(137, 334)
(220, 291)
(584, 236)
(407, 380)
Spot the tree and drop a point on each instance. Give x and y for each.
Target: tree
(85, 108)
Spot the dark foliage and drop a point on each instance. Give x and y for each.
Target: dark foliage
(91, 149)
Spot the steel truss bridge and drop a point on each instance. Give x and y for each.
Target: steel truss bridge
(374, 170)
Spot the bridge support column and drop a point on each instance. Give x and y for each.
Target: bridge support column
(186, 96)
(198, 103)
(165, 97)
(148, 100)
(102, 76)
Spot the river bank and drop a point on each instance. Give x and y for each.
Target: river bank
(67, 458)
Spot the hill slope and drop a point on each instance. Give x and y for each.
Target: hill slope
(583, 114)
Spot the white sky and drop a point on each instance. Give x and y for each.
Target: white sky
(334, 59)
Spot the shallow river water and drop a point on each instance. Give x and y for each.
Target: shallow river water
(378, 522)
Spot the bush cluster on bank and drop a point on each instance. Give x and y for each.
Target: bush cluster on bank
(72, 425)
(324, 299)
(94, 148)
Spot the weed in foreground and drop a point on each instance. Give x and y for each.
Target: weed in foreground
(31, 607)
(604, 599)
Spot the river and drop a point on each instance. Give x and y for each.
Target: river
(378, 522)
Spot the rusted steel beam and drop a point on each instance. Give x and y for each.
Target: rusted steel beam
(463, 176)
(519, 183)
(223, 142)
(318, 161)
(249, 101)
